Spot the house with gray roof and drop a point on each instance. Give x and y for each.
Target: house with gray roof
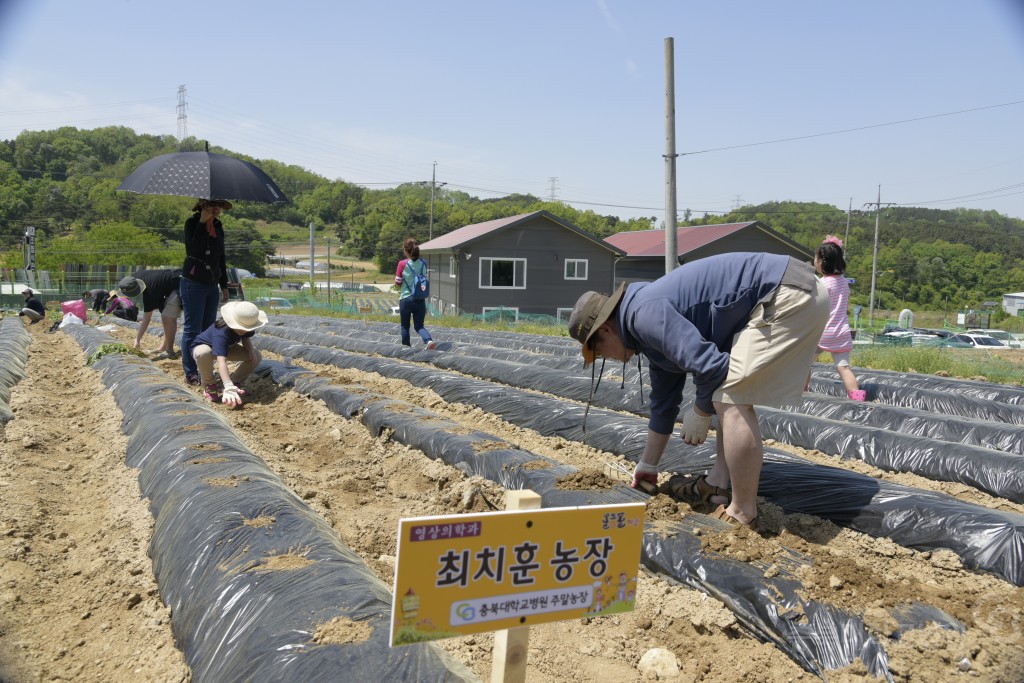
(1014, 303)
(532, 263)
(644, 250)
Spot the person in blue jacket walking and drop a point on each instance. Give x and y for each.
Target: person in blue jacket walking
(746, 326)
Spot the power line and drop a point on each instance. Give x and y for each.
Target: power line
(985, 194)
(14, 112)
(106, 121)
(851, 130)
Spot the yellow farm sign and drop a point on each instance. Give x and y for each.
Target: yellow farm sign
(463, 574)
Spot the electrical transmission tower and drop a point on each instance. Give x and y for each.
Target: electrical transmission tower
(182, 116)
(553, 189)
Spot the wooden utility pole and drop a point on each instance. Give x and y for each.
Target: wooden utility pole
(433, 186)
(312, 278)
(849, 211)
(874, 260)
(671, 245)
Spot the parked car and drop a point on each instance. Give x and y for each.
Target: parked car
(272, 302)
(235, 290)
(914, 336)
(940, 333)
(980, 341)
(1001, 335)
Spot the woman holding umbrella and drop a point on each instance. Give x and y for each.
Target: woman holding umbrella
(204, 279)
(205, 175)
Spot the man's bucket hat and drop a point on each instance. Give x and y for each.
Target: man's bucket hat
(131, 286)
(591, 311)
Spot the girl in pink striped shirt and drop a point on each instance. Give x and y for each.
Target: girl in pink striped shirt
(836, 338)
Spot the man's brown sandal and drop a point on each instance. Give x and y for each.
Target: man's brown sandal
(695, 491)
(721, 513)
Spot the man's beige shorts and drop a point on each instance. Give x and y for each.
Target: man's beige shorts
(172, 306)
(772, 355)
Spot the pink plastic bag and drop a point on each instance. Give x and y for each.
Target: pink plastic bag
(76, 307)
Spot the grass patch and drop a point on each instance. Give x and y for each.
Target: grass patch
(1002, 367)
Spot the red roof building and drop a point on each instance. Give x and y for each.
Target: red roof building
(645, 249)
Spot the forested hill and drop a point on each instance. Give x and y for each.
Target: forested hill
(932, 258)
(64, 183)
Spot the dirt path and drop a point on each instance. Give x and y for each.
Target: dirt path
(63, 477)
(78, 601)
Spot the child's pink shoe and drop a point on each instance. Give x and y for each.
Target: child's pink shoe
(858, 395)
(212, 392)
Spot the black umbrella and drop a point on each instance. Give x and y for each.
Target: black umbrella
(203, 175)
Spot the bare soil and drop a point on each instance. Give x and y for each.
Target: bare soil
(78, 600)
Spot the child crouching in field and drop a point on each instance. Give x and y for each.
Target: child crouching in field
(228, 339)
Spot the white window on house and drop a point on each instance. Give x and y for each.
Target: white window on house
(563, 314)
(504, 313)
(502, 273)
(452, 266)
(575, 269)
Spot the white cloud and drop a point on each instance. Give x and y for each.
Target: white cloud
(602, 7)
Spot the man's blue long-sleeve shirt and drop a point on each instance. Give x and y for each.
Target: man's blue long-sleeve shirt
(685, 322)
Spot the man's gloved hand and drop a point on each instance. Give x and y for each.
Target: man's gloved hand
(646, 473)
(230, 396)
(695, 427)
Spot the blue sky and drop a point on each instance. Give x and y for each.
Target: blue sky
(556, 98)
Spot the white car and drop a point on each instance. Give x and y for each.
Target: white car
(980, 341)
(1001, 335)
(273, 302)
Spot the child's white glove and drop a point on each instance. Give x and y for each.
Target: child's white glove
(695, 427)
(230, 396)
